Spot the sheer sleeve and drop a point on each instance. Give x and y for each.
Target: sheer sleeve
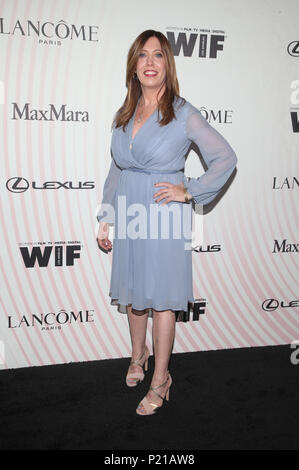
(109, 191)
(217, 153)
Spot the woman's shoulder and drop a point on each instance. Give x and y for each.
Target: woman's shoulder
(178, 102)
(183, 107)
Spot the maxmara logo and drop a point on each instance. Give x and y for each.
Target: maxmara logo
(203, 43)
(48, 32)
(285, 247)
(51, 114)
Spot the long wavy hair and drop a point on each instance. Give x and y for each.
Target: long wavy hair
(165, 104)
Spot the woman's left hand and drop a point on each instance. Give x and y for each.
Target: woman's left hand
(172, 192)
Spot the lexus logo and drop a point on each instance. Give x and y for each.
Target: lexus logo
(17, 184)
(293, 48)
(269, 305)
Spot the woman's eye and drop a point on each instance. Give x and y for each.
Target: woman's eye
(158, 54)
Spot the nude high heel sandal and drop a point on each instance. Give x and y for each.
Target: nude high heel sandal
(134, 378)
(151, 408)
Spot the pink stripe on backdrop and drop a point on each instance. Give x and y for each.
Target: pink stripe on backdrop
(201, 329)
(75, 347)
(244, 308)
(210, 289)
(219, 278)
(261, 287)
(32, 79)
(14, 332)
(104, 329)
(224, 311)
(283, 220)
(232, 320)
(223, 278)
(107, 318)
(285, 259)
(110, 315)
(8, 172)
(278, 291)
(254, 281)
(248, 281)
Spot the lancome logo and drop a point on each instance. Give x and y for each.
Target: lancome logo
(50, 33)
(204, 43)
(285, 182)
(51, 320)
(51, 114)
(222, 116)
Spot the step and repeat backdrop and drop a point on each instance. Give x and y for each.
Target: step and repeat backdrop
(62, 78)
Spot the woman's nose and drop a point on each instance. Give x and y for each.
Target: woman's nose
(149, 59)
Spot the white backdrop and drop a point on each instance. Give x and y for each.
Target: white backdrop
(68, 57)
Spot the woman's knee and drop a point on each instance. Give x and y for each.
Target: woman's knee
(162, 314)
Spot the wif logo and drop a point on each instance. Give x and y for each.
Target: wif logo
(205, 44)
(294, 98)
(61, 254)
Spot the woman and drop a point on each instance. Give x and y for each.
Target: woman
(152, 275)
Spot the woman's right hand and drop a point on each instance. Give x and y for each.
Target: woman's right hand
(103, 235)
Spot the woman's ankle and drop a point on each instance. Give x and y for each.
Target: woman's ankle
(137, 352)
(159, 377)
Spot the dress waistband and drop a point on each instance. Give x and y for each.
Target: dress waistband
(141, 170)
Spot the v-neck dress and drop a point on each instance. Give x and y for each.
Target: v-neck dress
(151, 254)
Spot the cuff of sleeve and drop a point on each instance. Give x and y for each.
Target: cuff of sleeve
(106, 215)
(191, 184)
(105, 221)
(188, 185)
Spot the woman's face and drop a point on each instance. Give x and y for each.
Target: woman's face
(150, 66)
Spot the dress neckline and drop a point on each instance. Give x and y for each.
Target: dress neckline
(133, 119)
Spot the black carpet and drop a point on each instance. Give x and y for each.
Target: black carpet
(229, 399)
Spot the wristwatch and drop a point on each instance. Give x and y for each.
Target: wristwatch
(186, 197)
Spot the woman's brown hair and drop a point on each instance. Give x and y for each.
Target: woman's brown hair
(165, 106)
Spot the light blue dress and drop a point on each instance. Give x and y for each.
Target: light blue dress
(151, 268)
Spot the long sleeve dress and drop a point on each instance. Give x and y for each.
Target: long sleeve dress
(151, 267)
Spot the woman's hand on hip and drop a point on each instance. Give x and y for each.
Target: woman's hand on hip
(172, 192)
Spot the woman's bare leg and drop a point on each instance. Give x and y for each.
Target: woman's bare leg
(163, 339)
(138, 327)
